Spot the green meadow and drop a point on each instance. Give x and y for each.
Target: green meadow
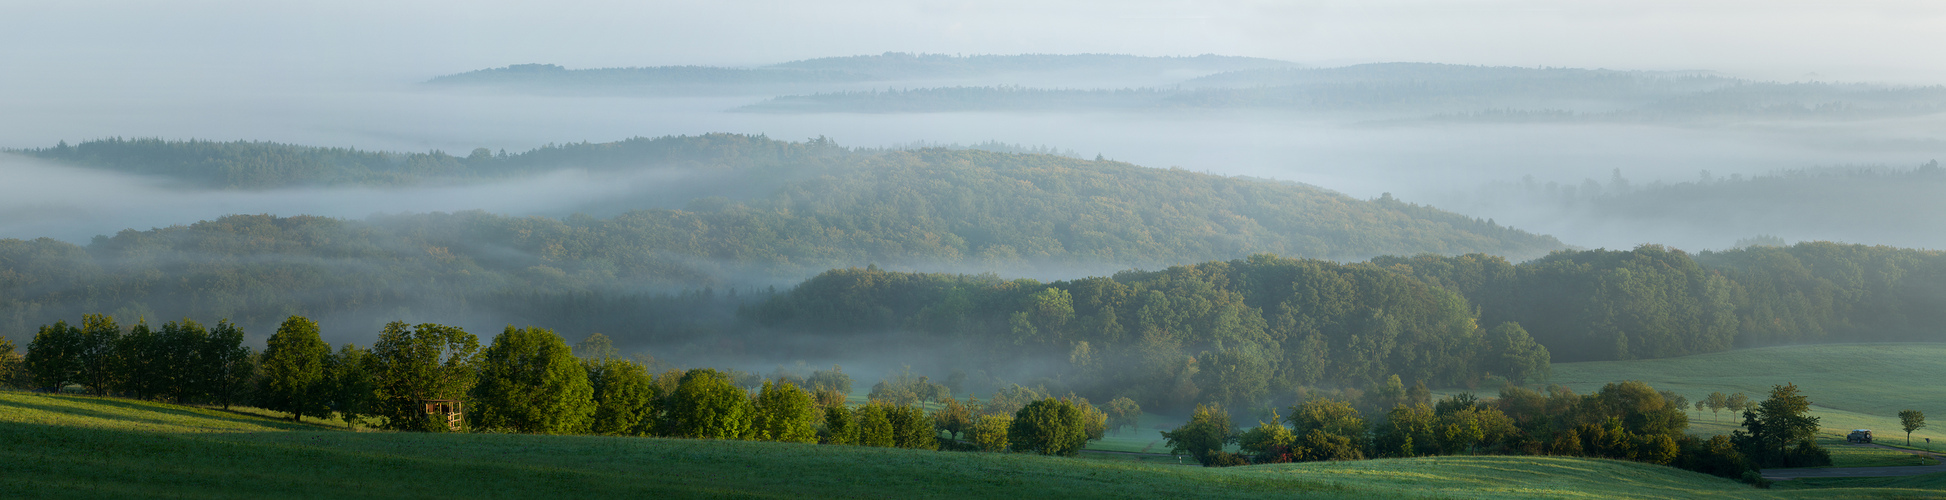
(1851, 386)
(84, 447)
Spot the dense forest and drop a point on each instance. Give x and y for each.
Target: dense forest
(1888, 205)
(1654, 302)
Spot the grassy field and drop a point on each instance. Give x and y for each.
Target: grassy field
(81, 447)
(1851, 386)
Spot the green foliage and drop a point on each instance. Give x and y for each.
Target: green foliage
(352, 388)
(707, 404)
(1269, 442)
(530, 382)
(874, 426)
(1327, 429)
(911, 428)
(227, 363)
(53, 358)
(1048, 427)
(1408, 431)
(1911, 420)
(904, 389)
(1123, 413)
(1778, 432)
(596, 348)
(13, 368)
(1205, 435)
(1521, 359)
(626, 398)
(840, 425)
(786, 413)
(989, 433)
(834, 379)
(294, 366)
(954, 418)
(95, 353)
(413, 364)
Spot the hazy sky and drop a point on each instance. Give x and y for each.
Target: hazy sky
(44, 40)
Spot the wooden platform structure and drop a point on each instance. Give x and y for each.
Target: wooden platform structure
(450, 408)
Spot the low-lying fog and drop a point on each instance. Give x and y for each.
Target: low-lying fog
(1439, 164)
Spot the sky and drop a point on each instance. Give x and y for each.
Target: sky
(85, 40)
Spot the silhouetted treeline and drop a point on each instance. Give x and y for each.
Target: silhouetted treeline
(1654, 302)
(1623, 421)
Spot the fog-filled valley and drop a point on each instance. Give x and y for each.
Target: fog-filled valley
(1383, 223)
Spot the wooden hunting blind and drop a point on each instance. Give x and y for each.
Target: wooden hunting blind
(449, 408)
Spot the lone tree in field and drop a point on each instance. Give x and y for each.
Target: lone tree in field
(1779, 431)
(294, 370)
(1048, 427)
(1912, 420)
(530, 382)
(1204, 436)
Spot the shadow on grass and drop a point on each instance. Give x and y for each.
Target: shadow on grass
(138, 407)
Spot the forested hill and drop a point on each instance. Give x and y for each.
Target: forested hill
(260, 165)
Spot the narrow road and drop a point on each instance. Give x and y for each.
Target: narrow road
(1910, 470)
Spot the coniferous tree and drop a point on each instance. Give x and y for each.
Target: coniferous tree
(531, 382)
(294, 364)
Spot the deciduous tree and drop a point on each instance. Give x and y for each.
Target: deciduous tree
(530, 382)
(294, 370)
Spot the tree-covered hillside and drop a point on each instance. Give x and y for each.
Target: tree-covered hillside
(1654, 302)
(819, 207)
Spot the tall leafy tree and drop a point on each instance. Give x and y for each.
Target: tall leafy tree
(413, 364)
(911, 428)
(13, 368)
(625, 398)
(708, 405)
(1778, 432)
(226, 364)
(54, 358)
(875, 426)
(531, 382)
(1204, 436)
(786, 413)
(351, 386)
(95, 353)
(294, 365)
(139, 369)
(180, 367)
(1048, 427)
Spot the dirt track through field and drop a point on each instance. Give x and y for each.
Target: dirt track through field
(1910, 470)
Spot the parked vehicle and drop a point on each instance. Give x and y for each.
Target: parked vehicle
(1860, 436)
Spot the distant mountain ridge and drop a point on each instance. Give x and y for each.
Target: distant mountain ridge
(886, 67)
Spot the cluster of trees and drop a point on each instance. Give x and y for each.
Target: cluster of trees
(182, 361)
(529, 380)
(1655, 302)
(1238, 333)
(1626, 421)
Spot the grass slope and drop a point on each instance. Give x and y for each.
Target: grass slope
(64, 446)
(1851, 386)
